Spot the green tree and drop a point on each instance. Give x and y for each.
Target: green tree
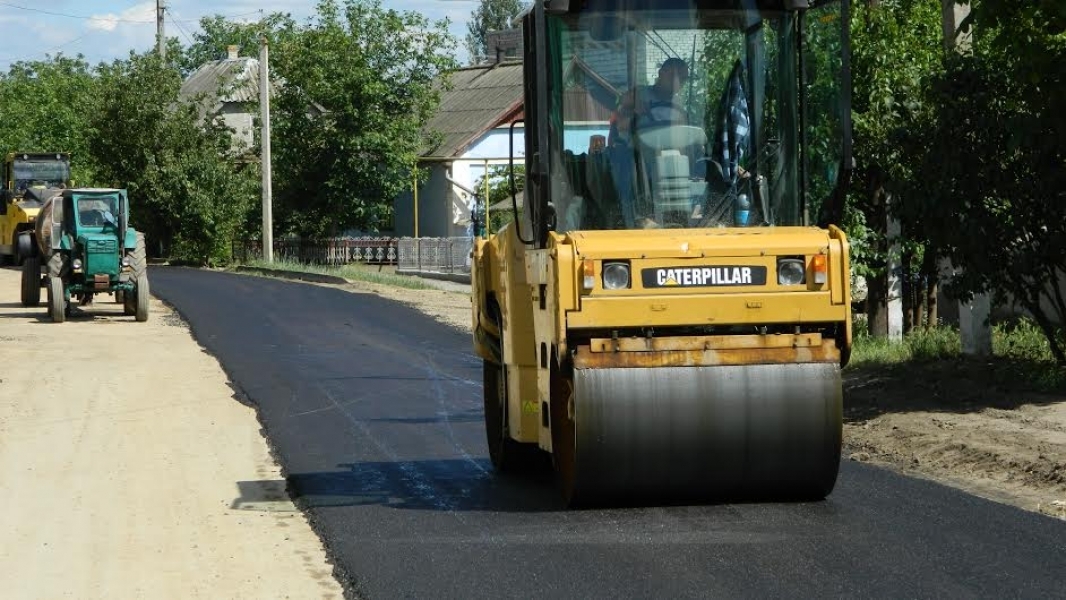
(360, 84)
(989, 187)
(489, 15)
(217, 33)
(500, 189)
(185, 192)
(896, 47)
(46, 106)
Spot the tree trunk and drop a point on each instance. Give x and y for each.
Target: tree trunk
(931, 274)
(877, 284)
(909, 295)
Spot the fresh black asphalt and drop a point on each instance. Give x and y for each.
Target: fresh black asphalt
(374, 411)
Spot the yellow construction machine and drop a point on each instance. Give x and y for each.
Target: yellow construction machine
(669, 316)
(28, 180)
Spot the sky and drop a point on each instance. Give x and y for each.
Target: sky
(103, 30)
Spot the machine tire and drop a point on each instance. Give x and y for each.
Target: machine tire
(31, 282)
(129, 304)
(142, 295)
(507, 455)
(57, 305)
(120, 297)
(139, 258)
(23, 247)
(564, 450)
(55, 265)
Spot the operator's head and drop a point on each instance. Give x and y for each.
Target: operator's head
(673, 74)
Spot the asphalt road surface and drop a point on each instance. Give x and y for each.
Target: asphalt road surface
(374, 411)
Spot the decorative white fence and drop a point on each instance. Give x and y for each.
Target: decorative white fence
(336, 251)
(448, 256)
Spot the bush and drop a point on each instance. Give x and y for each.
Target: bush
(1021, 339)
(933, 344)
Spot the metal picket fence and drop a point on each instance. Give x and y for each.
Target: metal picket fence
(333, 252)
(450, 255)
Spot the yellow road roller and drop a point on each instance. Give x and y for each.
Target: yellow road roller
(668, 313)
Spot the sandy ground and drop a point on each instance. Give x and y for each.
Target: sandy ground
(128, 469)
(944, 424)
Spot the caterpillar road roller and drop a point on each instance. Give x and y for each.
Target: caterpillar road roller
(669, 314)
(26, 179)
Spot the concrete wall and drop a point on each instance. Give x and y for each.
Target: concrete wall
(242, 121)
(434, 218)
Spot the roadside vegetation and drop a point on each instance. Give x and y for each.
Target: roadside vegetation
(352, 272)
(1021, 357)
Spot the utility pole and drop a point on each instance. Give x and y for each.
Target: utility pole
(264, 108)
(160, 39)
(974, 330)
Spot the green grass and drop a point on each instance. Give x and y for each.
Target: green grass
(1021, 355)
(353, 272)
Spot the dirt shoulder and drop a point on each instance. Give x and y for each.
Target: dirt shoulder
(956, 422)
(129, 469)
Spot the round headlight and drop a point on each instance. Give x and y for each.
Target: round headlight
(790, 271)
(615, 276)
(125, 261)
(77, 263)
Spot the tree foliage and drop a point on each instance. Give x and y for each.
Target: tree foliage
(896, 48)
(499, 189)
(217, 33)
(989, 184)
(359, 84)
(185, 192)
(488, 16)
(46, 106)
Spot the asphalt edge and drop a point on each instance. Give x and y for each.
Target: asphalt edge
(297, 275)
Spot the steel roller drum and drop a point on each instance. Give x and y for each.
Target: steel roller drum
(753, 431)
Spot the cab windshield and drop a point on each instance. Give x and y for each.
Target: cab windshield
(687, 118)
(98, 211)
(40, 173)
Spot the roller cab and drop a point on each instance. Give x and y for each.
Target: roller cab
(667, 320)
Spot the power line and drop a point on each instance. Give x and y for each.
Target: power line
(114, 19)
(69, 16)
(15, 59)
(177, 22)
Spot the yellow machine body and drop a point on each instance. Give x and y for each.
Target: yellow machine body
(23, 194)
(553, 325)
(661, 319)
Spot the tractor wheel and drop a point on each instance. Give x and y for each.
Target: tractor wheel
(139, 259)
(31, 282)
(120, 297)
(142, 297)
(24, 246)
(57, 303)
